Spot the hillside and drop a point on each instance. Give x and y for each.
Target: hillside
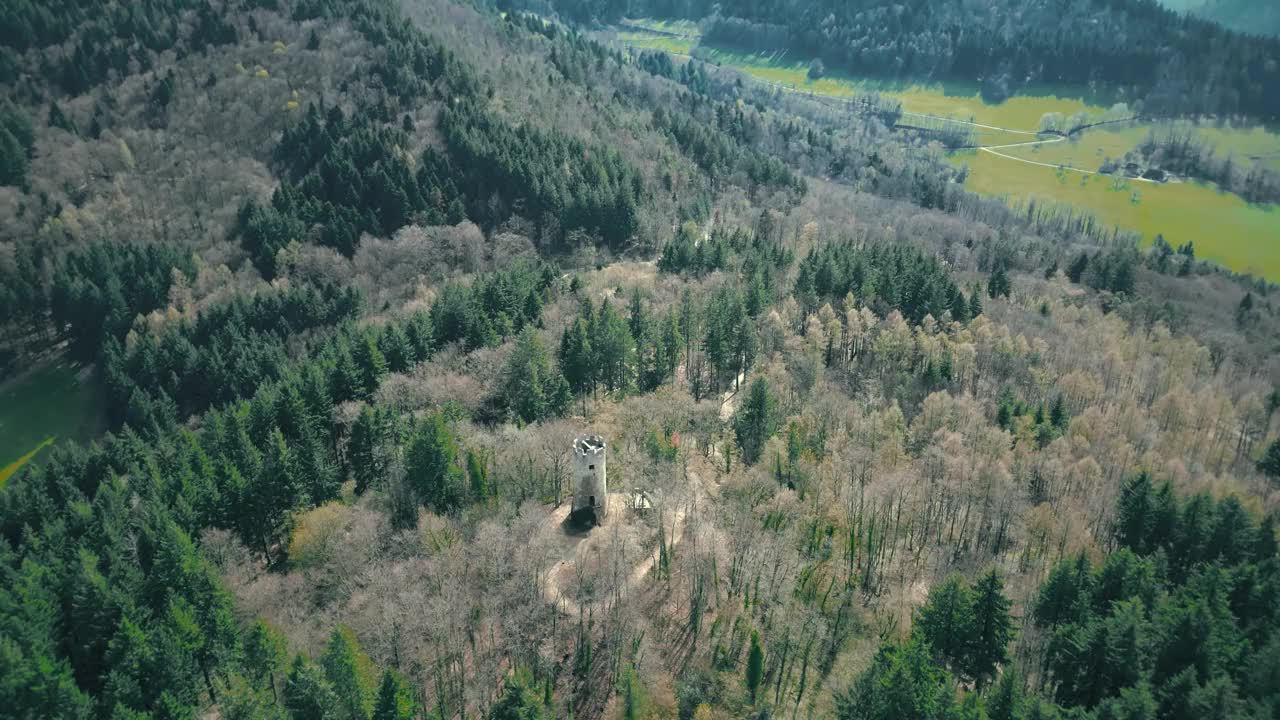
(1130, 51)
(1247, 16)
(343, 280)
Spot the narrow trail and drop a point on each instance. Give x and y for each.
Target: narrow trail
(555, 593)
(555, 589)
(974, 124)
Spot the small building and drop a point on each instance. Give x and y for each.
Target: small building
(590, 489)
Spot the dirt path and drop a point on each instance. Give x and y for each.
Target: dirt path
(970, 123)
(556, 588)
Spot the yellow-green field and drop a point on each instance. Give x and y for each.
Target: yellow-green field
(50, 404)
(687, 28)
(1225, 229)
(956, 100)
(665, 43)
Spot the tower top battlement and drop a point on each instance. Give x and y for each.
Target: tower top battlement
(588, 445)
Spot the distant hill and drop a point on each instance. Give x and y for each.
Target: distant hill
(1261, 17)
(1173, 62)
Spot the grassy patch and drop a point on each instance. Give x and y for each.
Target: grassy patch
(1225, 229)
(651, 41)
(957, 100)
(687, 28)
(52, 403)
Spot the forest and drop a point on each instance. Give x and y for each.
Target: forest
(344, 280)
(1136, 49)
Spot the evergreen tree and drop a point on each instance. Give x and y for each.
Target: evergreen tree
(277, 492)
(264, 653)
(395, 699)
(975, 301)
(1058, 413)
(373, 365)
(13, 159)
(1006, 701)
(1134, 703)
(992, 628)
(1065, 597)
(431, 465)
(1075, 271)
(614, 349)
(242, 701)
(351, 675)
(755, 666)
(1269, 463)
(577, 358)
(946, 621)
(1134, 517)
(756, 421)
(517, 703)
(901, 683)
(307, 694)
(533, 389)
(362, 448)
(998, 284)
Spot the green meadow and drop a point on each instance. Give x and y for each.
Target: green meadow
(49, 405)
(1225, 229)
(651, 41)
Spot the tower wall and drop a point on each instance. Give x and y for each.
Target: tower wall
(590, 489)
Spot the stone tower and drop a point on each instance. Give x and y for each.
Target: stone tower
(590, 493)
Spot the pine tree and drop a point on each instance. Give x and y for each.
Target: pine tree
(242, 701)
(264, 653)
(431, 466)
(975, 301)
(614, 349)
(901, 683)
(362, 449)
(277, 492)
(372, 364)
(395, 700)
(1133, 521)
(307, 694)
(1076, 270)
(1269, 463)
(577, 359)
(992, 628)
(517, 703)
(13, 159)
(395, 347)
(637, 320)
(998, 284)
(756, 421)
(1133, 703)
(1065, 597)
(1058, 413)
(755, 666)
(1006, 700)
(351, 675)
(532, 386)
(946, 621)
